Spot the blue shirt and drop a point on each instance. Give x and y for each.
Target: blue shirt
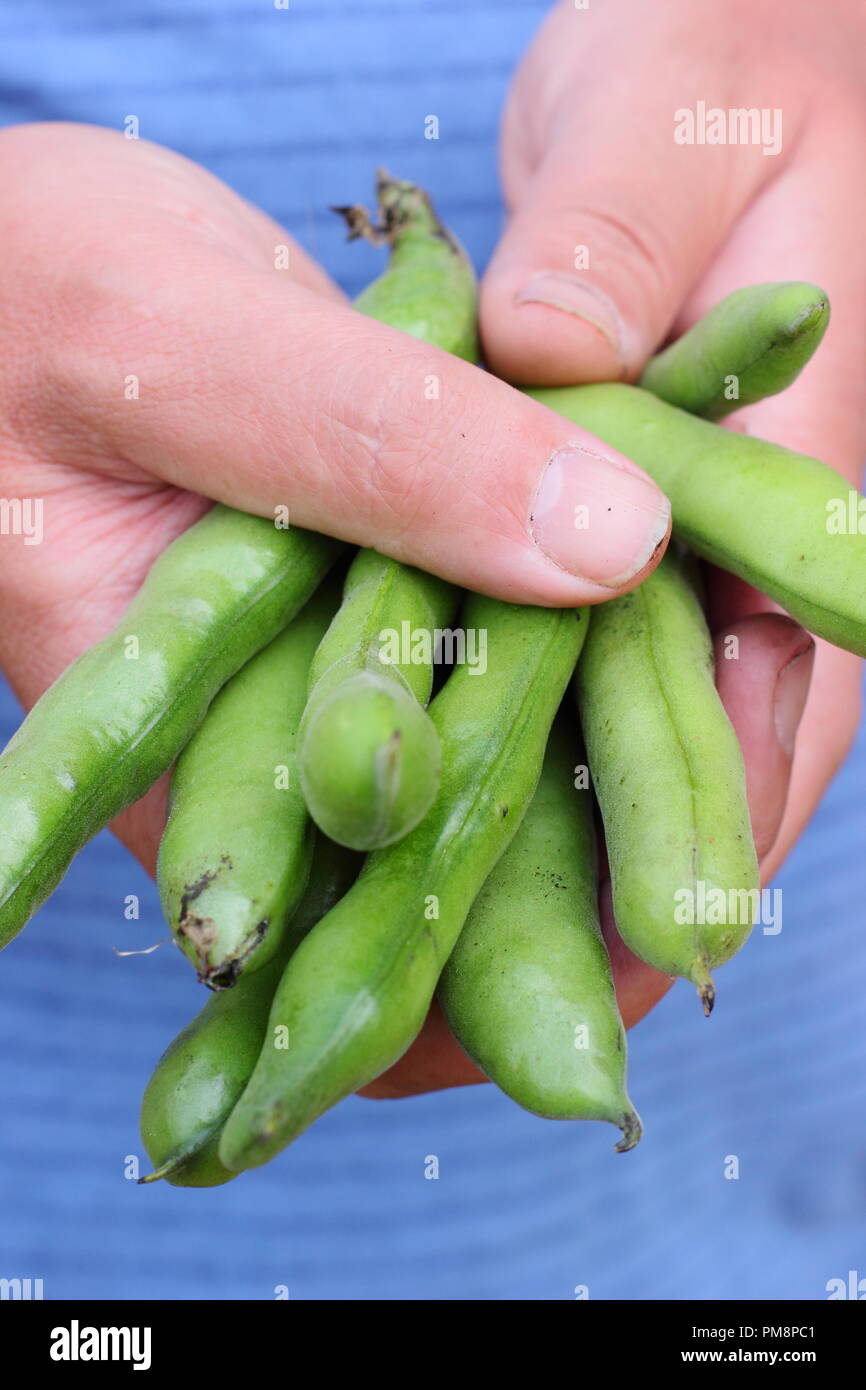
(294, 108)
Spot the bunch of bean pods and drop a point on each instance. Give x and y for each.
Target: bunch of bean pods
(336, 850)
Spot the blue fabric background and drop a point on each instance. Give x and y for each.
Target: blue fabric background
(294, 109)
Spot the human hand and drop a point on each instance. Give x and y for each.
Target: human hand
(589, 160)
(126, 266)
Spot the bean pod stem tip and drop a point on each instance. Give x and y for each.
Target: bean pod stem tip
(632, 1130)
(402, 206)
(707, 996)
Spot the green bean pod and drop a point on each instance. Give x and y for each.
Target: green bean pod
(235, 853)
(774, 517)
(750, 345)
(198, 1078)
(528, 989)
(356, 992)
(669, 778)
(369, 756)
(119, 715)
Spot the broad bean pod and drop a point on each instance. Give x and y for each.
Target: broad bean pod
(528, 990)
(752, 344)
(669, 778)
(235, 853)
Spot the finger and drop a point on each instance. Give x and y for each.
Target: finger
(612, 220)
(173, 344)
(763, 669)
(259, 393)
(806, 225)
(778, 690)
(148, 195)
(826, 734)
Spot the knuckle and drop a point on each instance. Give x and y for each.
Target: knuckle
(406, 444)
(638, 247)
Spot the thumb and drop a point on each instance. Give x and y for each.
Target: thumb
(261, 393)
(593, 266)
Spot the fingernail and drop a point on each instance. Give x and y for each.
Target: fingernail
(792, 688)
(596, 518)
(584, 301)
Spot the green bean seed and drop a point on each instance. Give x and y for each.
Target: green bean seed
(780, 520)
(120, 714)
(235, 853)
(670, 781)
(200, 1076)
(356, 992)
(528, 989)
(750, 345)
